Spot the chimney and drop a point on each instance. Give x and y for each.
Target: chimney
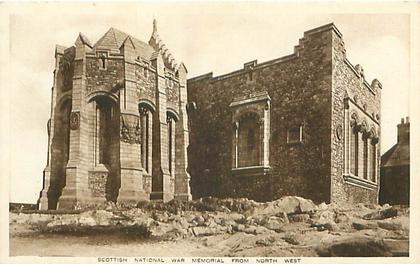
(404, 131)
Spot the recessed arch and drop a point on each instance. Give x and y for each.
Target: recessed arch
(63, 98)
(249, 139)
(172, 113)
(248, 114)
(97, 94)
(149, 105)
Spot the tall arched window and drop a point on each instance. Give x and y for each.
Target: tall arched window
(249, 140)
(365, 156)
(106, 123)
(146, 123)
(354, 149)
(171, 119)
(373, 155)
(250, 134)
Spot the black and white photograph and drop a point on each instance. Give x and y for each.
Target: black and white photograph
(209, 132)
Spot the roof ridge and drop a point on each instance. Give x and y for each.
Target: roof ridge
(85, 39)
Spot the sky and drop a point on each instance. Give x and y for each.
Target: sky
(214, 37)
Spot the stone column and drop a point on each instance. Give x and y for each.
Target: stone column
(171, 150)
(266, 138)
(235, 144)
(261, 144)
(43, 199)
(161, 179)
(76, 191)
(131, 189)
(374, 157)
(366, 156)
(360, 154)
(182, 177)
(347, 144)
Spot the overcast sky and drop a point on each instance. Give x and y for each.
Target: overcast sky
(216, 37)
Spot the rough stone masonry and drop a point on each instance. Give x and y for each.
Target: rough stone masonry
(306, 124)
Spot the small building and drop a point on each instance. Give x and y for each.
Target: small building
(118, 127)
(305, 124)
(395, 169)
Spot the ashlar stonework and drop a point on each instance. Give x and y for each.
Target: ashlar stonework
(306, 124)
(118, 128)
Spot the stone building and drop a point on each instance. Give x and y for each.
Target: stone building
(118, 127)
(306, 124)
(395, 169)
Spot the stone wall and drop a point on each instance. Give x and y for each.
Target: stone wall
(349, 82)
(145, 83)
(59, 125)
(104, 79)
(299, 86)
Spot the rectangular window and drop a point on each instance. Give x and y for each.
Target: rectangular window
(294, 134)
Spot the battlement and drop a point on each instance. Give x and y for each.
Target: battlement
(254, 65)
(327, 27)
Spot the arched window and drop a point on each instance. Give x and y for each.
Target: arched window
(146, 123)
(354, 146)
(365, 156)
(171, 119)
(105, 132)
(250, 134)
(373, 155)
(249, 140)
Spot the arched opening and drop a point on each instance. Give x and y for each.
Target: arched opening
(171, 119)
(373, 155)
(354, 144)
(365, 156)
(249, 141)
(354, 149)
(106, 124)
(146, 111)
(60, 152)
(104, 115)
(373, 164)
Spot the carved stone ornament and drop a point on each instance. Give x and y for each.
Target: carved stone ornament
(143, 111)
(356, 98)
(74, 120)
(235, 125)
(130, 130)
(339, 132)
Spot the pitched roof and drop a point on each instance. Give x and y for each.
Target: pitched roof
(398, 155)
(114, 38)
(85, 39)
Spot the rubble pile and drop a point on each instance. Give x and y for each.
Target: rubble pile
(289, 226)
